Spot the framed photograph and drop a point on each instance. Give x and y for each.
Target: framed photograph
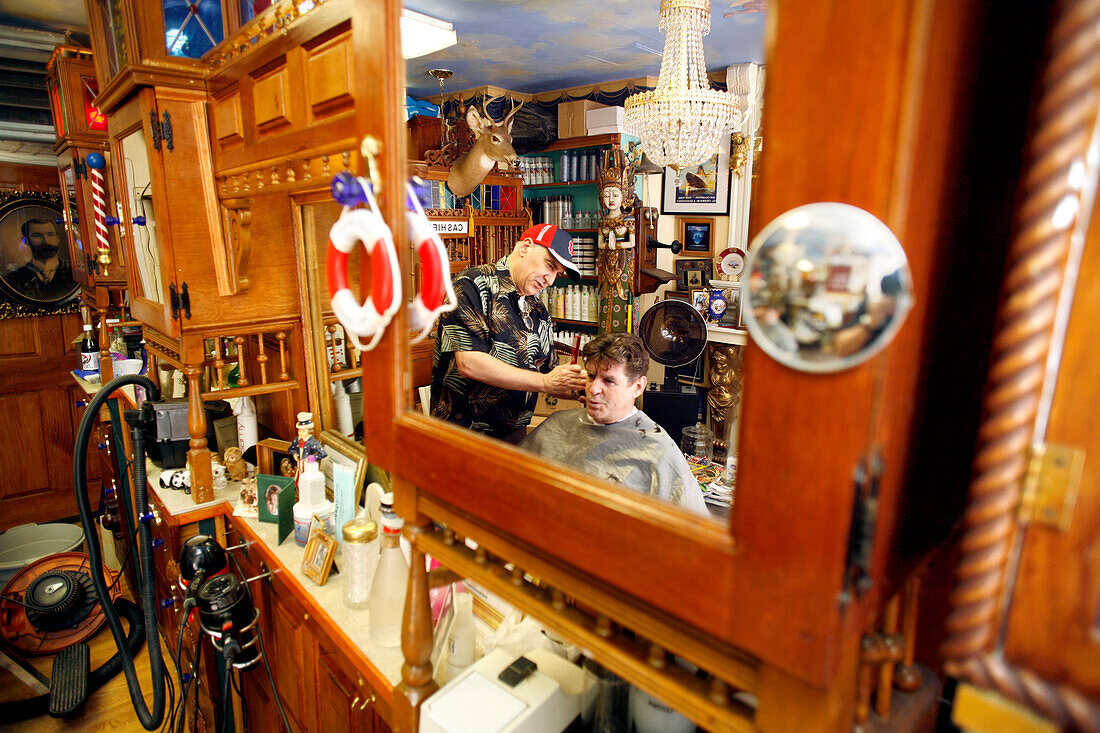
(320, 552)
(677, 295)
(345, 471)
(683, 267)
(732, 316)
(699, 299)
(701, 189)
(36, 274)
(697, 235)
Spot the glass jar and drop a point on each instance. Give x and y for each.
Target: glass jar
(698, 442)
(359, 560)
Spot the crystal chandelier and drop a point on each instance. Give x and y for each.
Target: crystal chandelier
(682, 121)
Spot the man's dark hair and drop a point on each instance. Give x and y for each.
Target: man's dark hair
(26, 228)
(618, 348)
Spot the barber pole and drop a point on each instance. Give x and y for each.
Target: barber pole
(96, 163)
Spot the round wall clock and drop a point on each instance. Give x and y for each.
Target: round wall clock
(731, 262)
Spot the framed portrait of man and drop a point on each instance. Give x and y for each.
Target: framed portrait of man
(35, 266)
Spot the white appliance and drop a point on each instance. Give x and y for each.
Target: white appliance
(478, 702)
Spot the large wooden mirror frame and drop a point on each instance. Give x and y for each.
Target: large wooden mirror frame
(767, 602)
(1023, 619)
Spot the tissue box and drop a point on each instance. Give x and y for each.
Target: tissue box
(571, 117)
(603, 120)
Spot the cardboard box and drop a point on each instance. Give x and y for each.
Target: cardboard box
(571, 117)
(607, 130)
(603, 117)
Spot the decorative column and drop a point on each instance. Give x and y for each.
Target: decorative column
(202, 478)
(747, 82)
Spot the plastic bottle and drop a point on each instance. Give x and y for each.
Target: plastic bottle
(461, 651)
(246, 423)
(387, 590)
(586, 306)
(360, 560)
(342, 403)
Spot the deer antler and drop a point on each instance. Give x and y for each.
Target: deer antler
(512, 113)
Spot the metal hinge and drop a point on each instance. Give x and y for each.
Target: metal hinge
(179, 300)
(1051, 485)
(80, 169)
(161, 130)
(861, 533)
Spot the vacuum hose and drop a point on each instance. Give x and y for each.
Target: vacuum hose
(149, 720)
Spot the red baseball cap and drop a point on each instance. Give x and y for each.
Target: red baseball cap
(560, 244)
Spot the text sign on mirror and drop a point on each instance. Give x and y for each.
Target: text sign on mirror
(460, 228)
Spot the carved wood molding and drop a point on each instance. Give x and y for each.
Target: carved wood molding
(278, 19)
(1067, 118)
(237, 214)
(287, 174)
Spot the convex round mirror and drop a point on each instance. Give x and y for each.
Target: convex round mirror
(828, 287)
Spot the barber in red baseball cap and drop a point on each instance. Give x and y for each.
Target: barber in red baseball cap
(494, 353)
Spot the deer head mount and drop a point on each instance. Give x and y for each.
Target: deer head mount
(492, 145)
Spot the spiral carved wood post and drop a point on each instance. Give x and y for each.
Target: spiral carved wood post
(1054, 204)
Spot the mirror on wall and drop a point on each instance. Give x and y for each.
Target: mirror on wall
(576, 428)
(139, 194)
(339, 393)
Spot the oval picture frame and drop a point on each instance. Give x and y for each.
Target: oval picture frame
(35, 262)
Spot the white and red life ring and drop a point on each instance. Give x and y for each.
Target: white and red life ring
(436, 294)
(369, 320)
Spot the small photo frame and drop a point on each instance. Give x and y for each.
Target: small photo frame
(697, 235)
(320, 552)
(696, 280)
(699, 189)
(275, 495)
(699, 299)
(677, 295)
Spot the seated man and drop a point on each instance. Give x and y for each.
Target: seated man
(610, 438)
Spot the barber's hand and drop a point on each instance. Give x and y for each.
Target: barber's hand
(563, 380)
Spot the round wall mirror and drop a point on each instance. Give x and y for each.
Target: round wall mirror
(828, 287)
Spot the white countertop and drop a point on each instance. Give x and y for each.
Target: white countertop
(353, 623)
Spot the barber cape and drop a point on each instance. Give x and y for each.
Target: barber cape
(636, 453)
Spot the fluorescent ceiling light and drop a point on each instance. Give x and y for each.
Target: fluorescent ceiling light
(422, 35)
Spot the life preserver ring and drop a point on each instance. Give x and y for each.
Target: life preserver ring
(436, 294)
(368, 320)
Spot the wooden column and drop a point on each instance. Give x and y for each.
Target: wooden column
(202, 479)
(416, 640)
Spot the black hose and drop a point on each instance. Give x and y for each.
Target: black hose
(150, 720)
(33, 707)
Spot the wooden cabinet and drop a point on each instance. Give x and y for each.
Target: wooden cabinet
(320, 687)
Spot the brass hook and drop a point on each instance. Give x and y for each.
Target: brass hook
(370, 148)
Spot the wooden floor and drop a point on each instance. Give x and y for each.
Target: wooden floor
(108, 709)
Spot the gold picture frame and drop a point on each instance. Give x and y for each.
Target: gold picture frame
(320, 552)
(344, 450)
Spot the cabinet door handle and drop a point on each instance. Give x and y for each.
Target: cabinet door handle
(366, 702)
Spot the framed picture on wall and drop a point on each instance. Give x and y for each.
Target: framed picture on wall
(699, 189)
(35, 268)
(700, 278)
(697, 235)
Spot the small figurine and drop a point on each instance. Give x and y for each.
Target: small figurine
(220, 481)
(181, 480)
(305, 444)
(235, 467)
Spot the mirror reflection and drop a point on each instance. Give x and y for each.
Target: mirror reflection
(829, 286)
(563, 246)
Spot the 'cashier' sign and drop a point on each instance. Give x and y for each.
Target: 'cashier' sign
(459, 228)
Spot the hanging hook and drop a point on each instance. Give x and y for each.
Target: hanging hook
(371, 148)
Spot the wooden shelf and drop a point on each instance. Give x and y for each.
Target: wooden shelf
(559, 184)
(569, 322)
(589, 141)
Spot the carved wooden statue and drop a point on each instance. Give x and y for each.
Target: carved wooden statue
(615, 260)
(725, 370)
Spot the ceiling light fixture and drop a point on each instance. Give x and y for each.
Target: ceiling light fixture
(422, 35)
(682, 121)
